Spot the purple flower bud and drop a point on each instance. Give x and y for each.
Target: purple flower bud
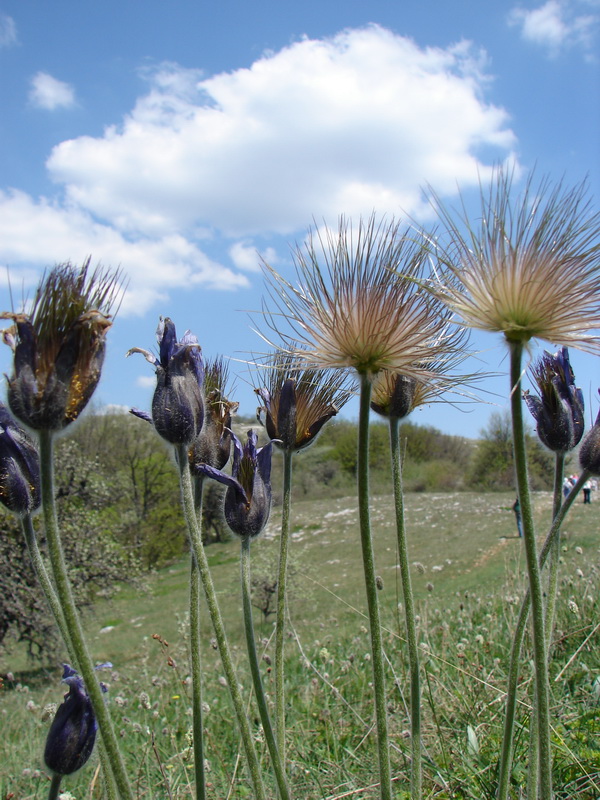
(393, 395)
(589, 452)
(559, 410)
(248, 497)
(72, 734)
(19, 467)
(177, 405)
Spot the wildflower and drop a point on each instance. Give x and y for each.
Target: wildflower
(177, 405)
(532, 269)
(72, 734)
(59, 348)
(213, 444)
(248, 497)
(559, 410)
(589, 452)
(361, 301)
(19, 467)
(298, 402)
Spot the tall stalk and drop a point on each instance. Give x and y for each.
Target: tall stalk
(71, 618)
(371, 589)
(281, 605)
(416, 779)
(187, 499)
(195, 657)
(540, 662)
(519, 636)
(261, 700)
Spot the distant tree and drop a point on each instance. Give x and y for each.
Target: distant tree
(492, 464)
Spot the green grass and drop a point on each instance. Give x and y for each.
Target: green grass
(468, 582)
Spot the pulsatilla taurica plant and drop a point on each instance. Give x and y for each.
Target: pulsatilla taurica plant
(248, 498)
(177, 404)
(559, 409)
(213, 444)
(59, 346)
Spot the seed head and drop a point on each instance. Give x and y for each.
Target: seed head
(361, 301)
(299, 401)
(531, 269)
(59, 347)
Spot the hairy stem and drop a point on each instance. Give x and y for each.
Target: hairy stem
(540, 662)
(409, 613)
(187, 500)
(281, 605)
(255, 672)
(54, 789)
(196, 660)
(71, 619)
(371, 590)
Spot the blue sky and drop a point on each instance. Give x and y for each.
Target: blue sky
(179, 140)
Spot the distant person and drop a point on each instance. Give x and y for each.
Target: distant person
(587, 492)
(566, 487)
(517, 510)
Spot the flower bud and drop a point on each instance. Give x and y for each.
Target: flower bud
(589, 452)
(559, 411)
(177, 405)
(393, 395)
(72, 734)
(19, 467)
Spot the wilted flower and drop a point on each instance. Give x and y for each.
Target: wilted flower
(59, 347)
(72, 734)
(19, 467)
(298, 402)
(589, 452)
(532, 269)
(361, 301)
(248, 497)
(177, 405)
(559, 411)
(213, 444)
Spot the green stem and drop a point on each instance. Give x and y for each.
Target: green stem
(515, 654)
(533, 768)
(195, 658)
(540, 660)
(409, 612)
(371, 589)
(42, 575)
(54, 787)
(187, 500)
(281, 605)
(71, 618)
(255, 672)
(559, 470)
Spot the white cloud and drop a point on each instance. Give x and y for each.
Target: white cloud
(40, 234)
(247, 257)
(555, 25)
(8, 31)
(343, 125)
(50, 93)
(146, 381)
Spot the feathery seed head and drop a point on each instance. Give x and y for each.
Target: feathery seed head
(532, 267)
(361, 301)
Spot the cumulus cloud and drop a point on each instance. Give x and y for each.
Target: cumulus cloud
(247, 257)
(8, 31)
(50, 93)
(42, 233)
(556, 25)
(342, 125)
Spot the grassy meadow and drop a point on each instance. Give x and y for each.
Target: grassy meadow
(468, 576)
